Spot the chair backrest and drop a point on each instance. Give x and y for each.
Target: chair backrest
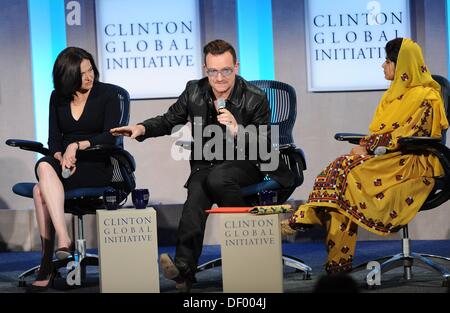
(124, 102)
(441, 190)
(445, 94)
(283, 106)
(123, 177)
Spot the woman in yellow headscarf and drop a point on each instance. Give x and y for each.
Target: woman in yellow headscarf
(376, 186)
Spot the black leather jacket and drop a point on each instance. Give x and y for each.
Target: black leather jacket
(247, 103)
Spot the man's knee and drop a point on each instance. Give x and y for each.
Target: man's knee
(217, 181)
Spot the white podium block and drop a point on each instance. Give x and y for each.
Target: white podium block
(128, 250)
(251, 253)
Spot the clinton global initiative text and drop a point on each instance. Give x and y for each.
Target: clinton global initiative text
(149, 62)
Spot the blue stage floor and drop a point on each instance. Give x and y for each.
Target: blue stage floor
(210, 281)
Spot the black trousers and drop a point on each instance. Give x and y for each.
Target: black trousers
(220, 184)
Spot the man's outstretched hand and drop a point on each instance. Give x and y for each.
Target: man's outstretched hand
(131, 131)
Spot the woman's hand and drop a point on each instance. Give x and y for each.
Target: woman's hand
(131, 131)
(226, 118)
(58, 156)
(361, 150)
(69, 158)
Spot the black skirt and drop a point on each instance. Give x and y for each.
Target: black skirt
(87, 174)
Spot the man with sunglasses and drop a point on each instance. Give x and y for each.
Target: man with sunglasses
(226, 101)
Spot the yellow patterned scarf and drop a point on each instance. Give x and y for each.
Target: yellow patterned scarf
(411, 86)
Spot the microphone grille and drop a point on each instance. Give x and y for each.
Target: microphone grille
(65, 173)
(221, 104)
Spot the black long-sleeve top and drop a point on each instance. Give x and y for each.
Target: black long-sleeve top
(101, 113)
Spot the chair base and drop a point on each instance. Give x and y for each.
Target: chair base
(407, 261)
(88, 260)
(288, 261)
(57, 264)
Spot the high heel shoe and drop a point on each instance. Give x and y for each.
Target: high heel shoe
(35, 288)
(63, 253)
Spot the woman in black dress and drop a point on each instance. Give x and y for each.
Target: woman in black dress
(82, 110)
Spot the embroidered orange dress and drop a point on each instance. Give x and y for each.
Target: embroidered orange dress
(380, 193)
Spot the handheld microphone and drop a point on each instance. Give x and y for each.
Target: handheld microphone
(221, 104)
(380, 150)
(66, 172)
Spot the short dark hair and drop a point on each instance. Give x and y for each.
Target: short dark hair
(217, 47)
(393, 49)
(67, 73)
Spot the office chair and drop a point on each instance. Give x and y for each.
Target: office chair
(439, 195)
(82, 201)
(283, 107)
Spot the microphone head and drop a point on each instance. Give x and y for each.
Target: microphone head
(221, 104)
(380, 150)
(66, 173)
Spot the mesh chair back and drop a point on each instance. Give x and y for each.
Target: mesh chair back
(445, 94)
(283, 106)
(122, 177)
(124, 102)
(441, 190)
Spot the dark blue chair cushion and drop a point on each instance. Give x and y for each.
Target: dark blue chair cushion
(24, 189)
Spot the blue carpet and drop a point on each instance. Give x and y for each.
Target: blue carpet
(312, 253)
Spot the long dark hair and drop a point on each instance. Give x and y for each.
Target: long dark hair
(66, 71)
(393, 49)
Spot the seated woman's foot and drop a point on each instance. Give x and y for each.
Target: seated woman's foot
(43, 281)
(288, 228)
(64, 251)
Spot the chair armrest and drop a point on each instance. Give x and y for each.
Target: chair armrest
(116, 152)
(350, 137)
(103, 148)
(28, 145)
(185, 144)
(295, 155)
(420, 145)
(295, 160)
(419, 141)
(286, 147)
